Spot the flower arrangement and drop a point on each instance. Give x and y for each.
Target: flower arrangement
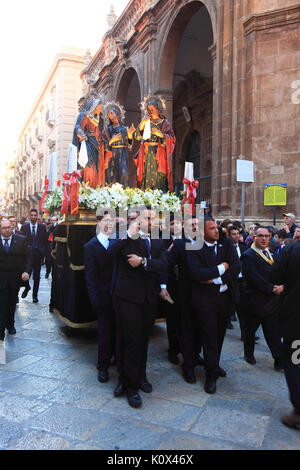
(116, 196)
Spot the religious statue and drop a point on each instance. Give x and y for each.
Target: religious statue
(154, 160)
(119, 139)
(95, 140)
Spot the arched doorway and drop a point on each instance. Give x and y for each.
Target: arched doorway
(186, 73)
(129, 95)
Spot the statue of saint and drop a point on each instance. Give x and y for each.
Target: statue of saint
(119, 141)
(154, 160)
(95, 140)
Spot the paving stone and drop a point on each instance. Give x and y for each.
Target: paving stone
(81, 396)
(45, 367)
(157, 411)
(188, 441)
(18, 409)
(232, 425)
(67, 421)
(20, 363)
(29, 385)
(9, 432)
(121, 434)
(40, 440)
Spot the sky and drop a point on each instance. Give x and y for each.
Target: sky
(31, 33)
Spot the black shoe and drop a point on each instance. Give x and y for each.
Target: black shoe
(173, 358)
(199, 361)
(25, 292)
(134, 399)
(11, 330)
(210, 386)
(119, 390)
(47, 275)
(229, 325)
(189, 377)
(2, 335)
(250, 359)
(103, 376)
(222, 372)
(146, 386)
(35, 300)
(278, 365)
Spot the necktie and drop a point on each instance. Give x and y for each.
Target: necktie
(213, 251)
(33, 238)
(266, 254)
(6, 245)
(147, 241)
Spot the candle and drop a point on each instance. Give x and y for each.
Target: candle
(188, 172)
(72, 159)
(52, 171)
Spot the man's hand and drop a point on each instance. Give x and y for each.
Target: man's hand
(25, 277)
(164, 294)
(134, 260)
(226, 265)
(278, 289)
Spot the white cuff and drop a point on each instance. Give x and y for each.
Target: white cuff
(163, 286)
(217, 281)
(221, 269)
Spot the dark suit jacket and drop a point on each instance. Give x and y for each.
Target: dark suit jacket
(203, 266)
(14, 263)
(138, 285)
(286, 271)
(177, 268)
(41, 236)
(98, 274)
(257, 283)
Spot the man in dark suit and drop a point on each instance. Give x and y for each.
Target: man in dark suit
(180, 292)
(15, 265)
(260, 295)
(141, 260)
(238, 303)
(98, 274)
(285, 271)
(213, 269)
(171, 311)
(36, 235)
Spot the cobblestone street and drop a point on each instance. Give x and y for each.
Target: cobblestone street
(50, 397)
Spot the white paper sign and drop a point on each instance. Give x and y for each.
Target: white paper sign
(83, 156)
(245, 171)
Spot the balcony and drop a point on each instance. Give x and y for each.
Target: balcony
(49, 118)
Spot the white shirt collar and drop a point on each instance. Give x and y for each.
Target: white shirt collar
(210, 244)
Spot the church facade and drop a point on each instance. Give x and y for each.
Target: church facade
(229, 71)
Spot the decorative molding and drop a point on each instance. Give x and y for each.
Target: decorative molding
(272, 19)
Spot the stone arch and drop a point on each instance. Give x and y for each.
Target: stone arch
(185, 78)
(128, 93)
(177, 23)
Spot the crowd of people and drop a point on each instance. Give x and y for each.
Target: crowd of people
(199, 288)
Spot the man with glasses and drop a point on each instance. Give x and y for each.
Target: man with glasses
(260, 295)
